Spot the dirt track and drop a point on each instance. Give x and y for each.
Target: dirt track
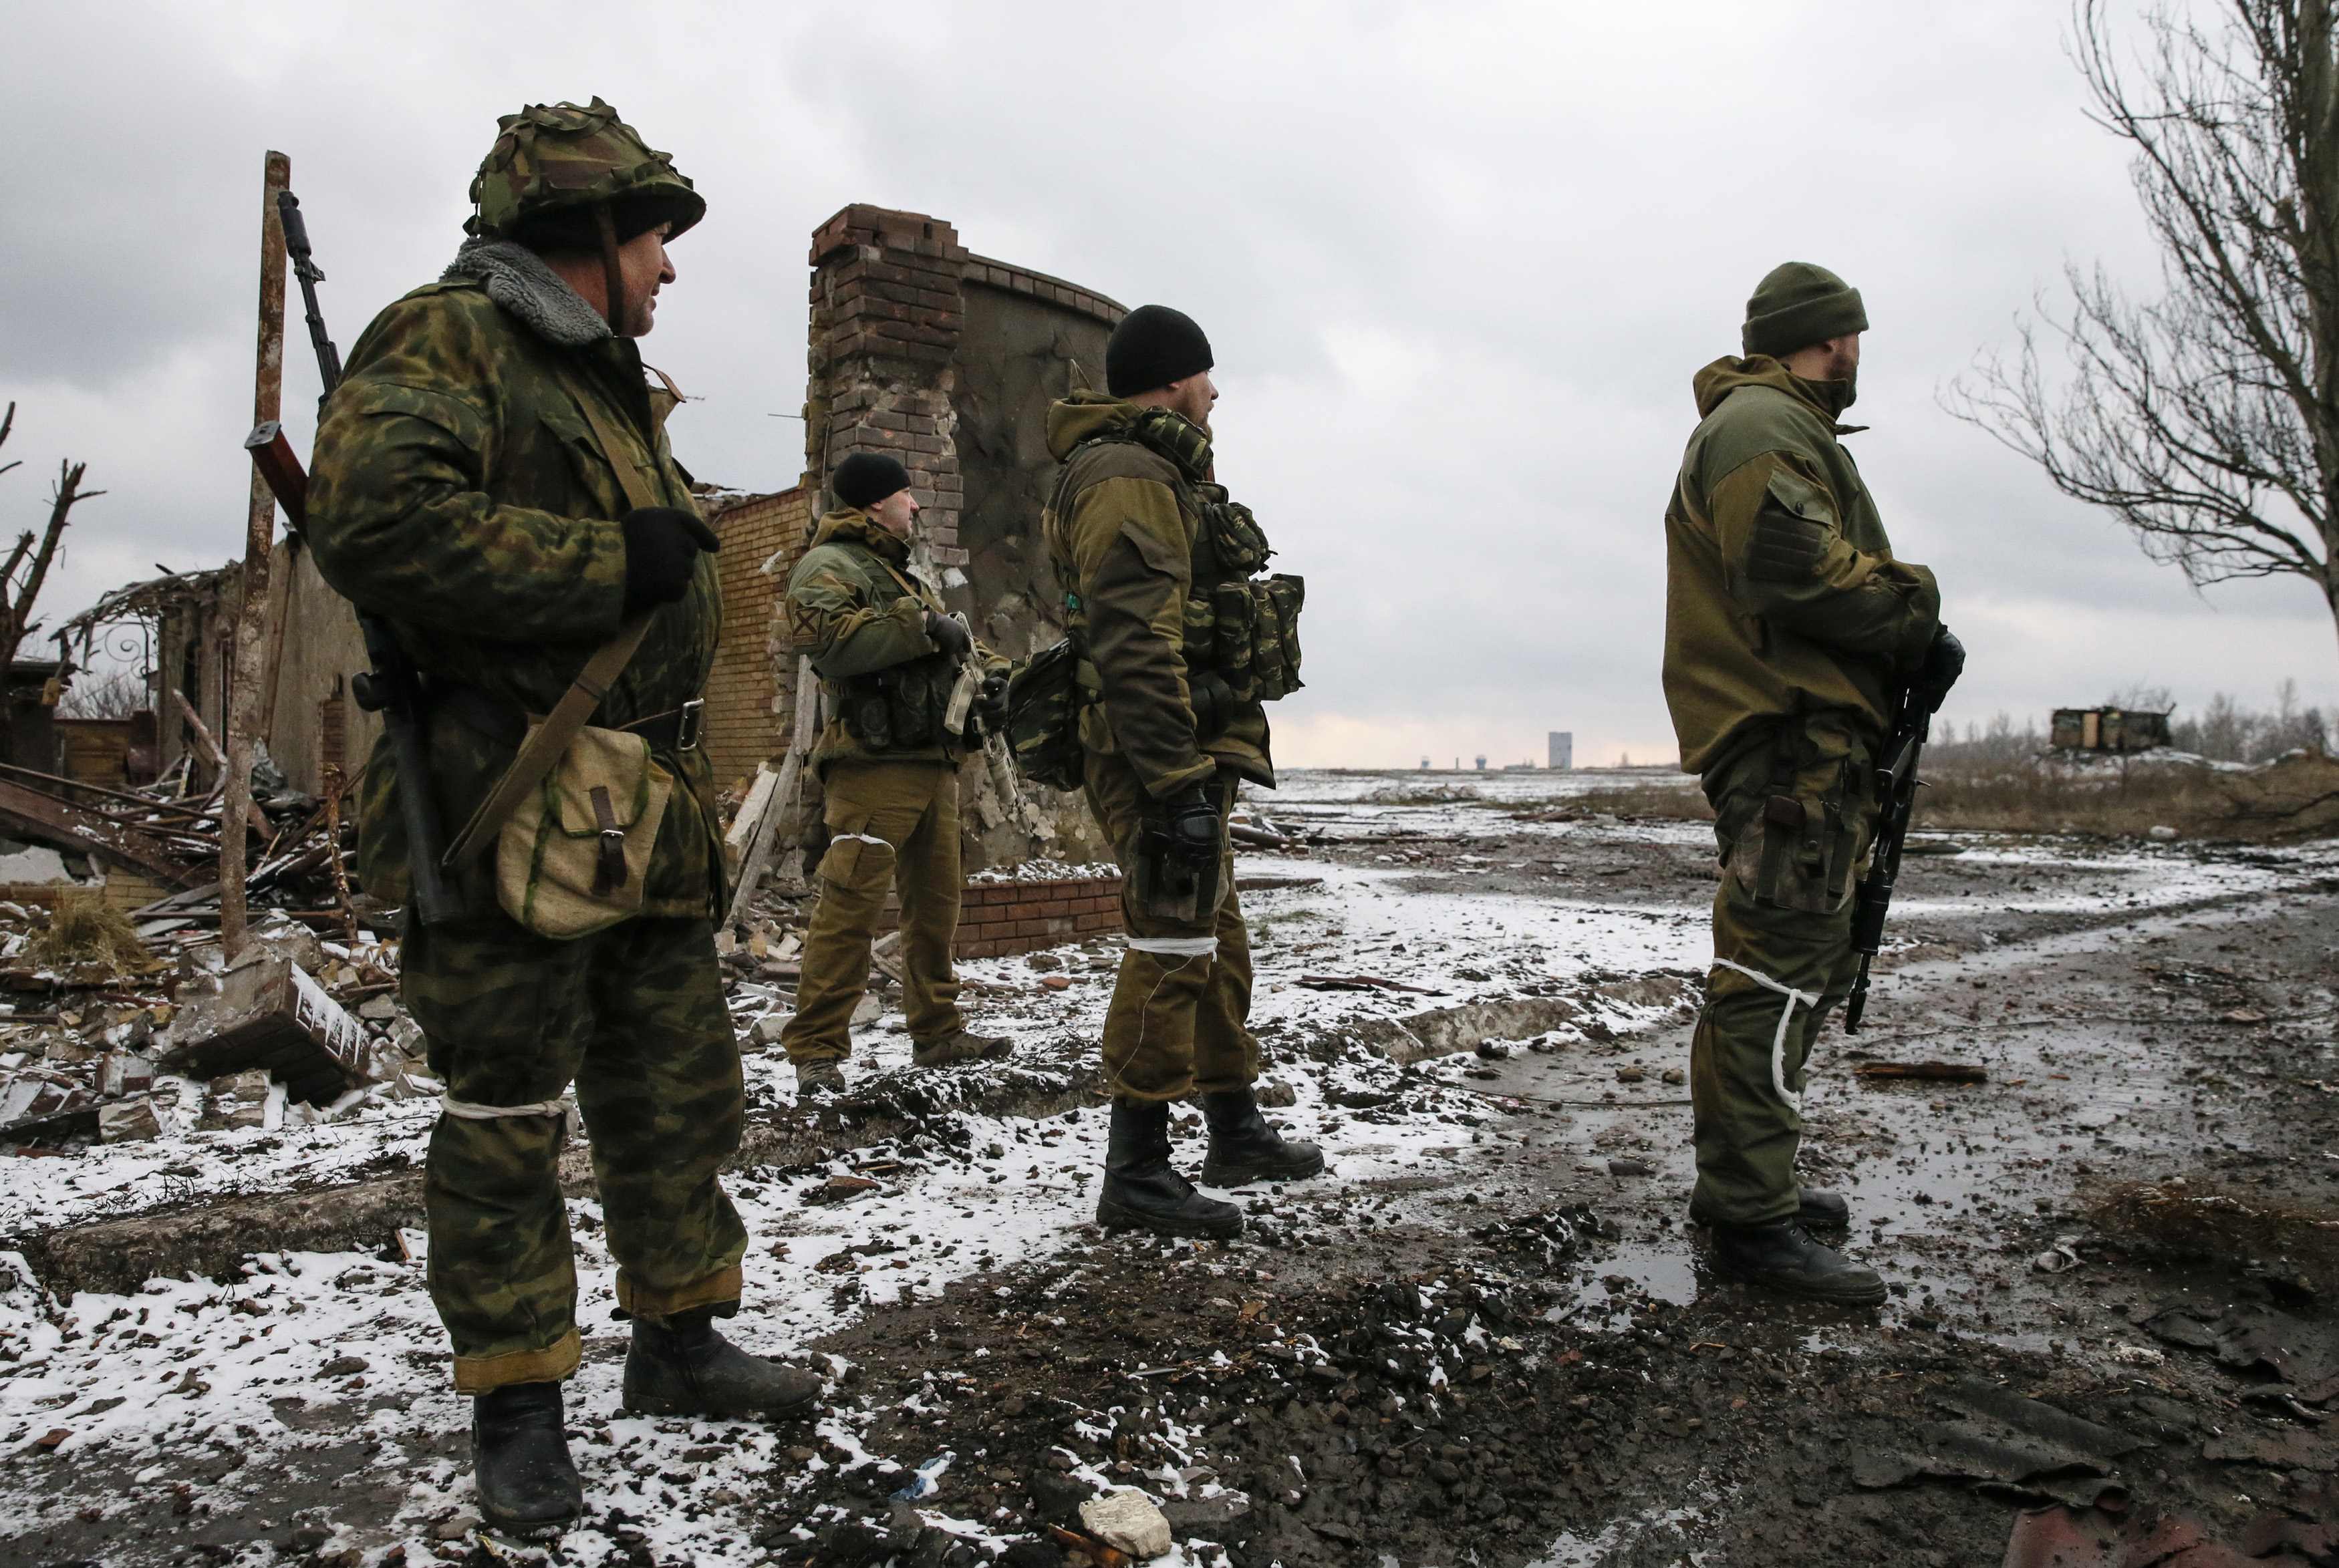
(1495, 1340)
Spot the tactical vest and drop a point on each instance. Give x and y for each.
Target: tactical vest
(1241, 630)
(900, 708)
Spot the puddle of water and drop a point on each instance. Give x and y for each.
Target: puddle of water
(1639, 1270)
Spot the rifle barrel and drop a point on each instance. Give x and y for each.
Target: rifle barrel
(391, 687)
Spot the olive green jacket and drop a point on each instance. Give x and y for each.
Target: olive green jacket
(457, 490)
(855, 608)
(1126, 536)
(1782, 598)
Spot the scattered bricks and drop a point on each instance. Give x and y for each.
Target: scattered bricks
(124, 1073)
(238, 1100)
(129, 1120)
(270, 1015)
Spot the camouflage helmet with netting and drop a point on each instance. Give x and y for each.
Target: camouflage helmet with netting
(553, 164)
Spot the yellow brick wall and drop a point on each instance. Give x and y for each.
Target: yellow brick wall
(745, 720)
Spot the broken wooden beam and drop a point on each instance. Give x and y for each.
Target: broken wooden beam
(31, 813)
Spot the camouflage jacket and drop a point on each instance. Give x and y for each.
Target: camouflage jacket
(1127, 538)
(855, 608)
(1782, 598)
(456, 489)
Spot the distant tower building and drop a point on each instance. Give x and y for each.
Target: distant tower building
(1425, 764)
(1563, 749)
(1482, 762)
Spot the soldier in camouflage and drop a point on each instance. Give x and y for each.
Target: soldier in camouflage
(462, 492)
(1790, 631)
(889, 658)
(1179, 646)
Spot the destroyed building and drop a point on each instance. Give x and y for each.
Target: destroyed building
(2108, 729)
(915, 346)
(947, 361)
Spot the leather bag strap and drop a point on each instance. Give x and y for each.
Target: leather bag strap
(541, 751)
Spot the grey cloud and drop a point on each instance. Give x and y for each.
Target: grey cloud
(1459, 263)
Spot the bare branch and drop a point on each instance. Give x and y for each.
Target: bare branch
(2208, 419)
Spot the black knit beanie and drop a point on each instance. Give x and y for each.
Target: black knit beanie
(865, 478)
(1152, 346)
(1797, 305)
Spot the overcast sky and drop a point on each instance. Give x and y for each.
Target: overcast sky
(1458, 263)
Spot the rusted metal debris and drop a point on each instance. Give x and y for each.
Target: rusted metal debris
(1928, 1071)
(1362, 982)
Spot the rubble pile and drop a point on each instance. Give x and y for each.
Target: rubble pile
(297, 1030)
(118, 1025)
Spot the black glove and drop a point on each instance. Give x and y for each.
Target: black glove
(1191, 820)
(991, 703)
(1211, 698)
(662, 545)
(1943, 663)
(952, 635)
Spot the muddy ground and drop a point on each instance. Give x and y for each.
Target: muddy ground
(1491, 1336)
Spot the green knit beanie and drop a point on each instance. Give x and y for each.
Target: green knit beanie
(1797, 305)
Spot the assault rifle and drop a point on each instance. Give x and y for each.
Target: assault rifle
(393, 688)
(1896, 787)
(959, 718)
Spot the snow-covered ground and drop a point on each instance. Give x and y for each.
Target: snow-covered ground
(313, 1361)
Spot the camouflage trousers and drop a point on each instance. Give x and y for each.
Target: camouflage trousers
(891, 825)
(1178, 1020)
(1794, 825)
(635, 1016)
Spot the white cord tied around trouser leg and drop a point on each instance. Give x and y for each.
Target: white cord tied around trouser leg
(564, 1108)
(1185, 949)
(471, 1110)
(1786, 1019)
(1176, 946)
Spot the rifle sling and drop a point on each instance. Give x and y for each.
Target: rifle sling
(540, 751)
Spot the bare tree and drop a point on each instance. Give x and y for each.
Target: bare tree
(115, 694)
(2207, 420)
(27, 567)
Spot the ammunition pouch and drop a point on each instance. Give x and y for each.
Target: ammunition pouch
(1045, 696)
(1245, 633)
(1800, 847)
(897, 709)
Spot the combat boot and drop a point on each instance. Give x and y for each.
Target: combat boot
(1245, 1148)
(959, 1045)
(683, 1367)
(519, 1456)
(1143, 1191)
(820, 1075)
(1783, 1256)
(1816, 1209)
